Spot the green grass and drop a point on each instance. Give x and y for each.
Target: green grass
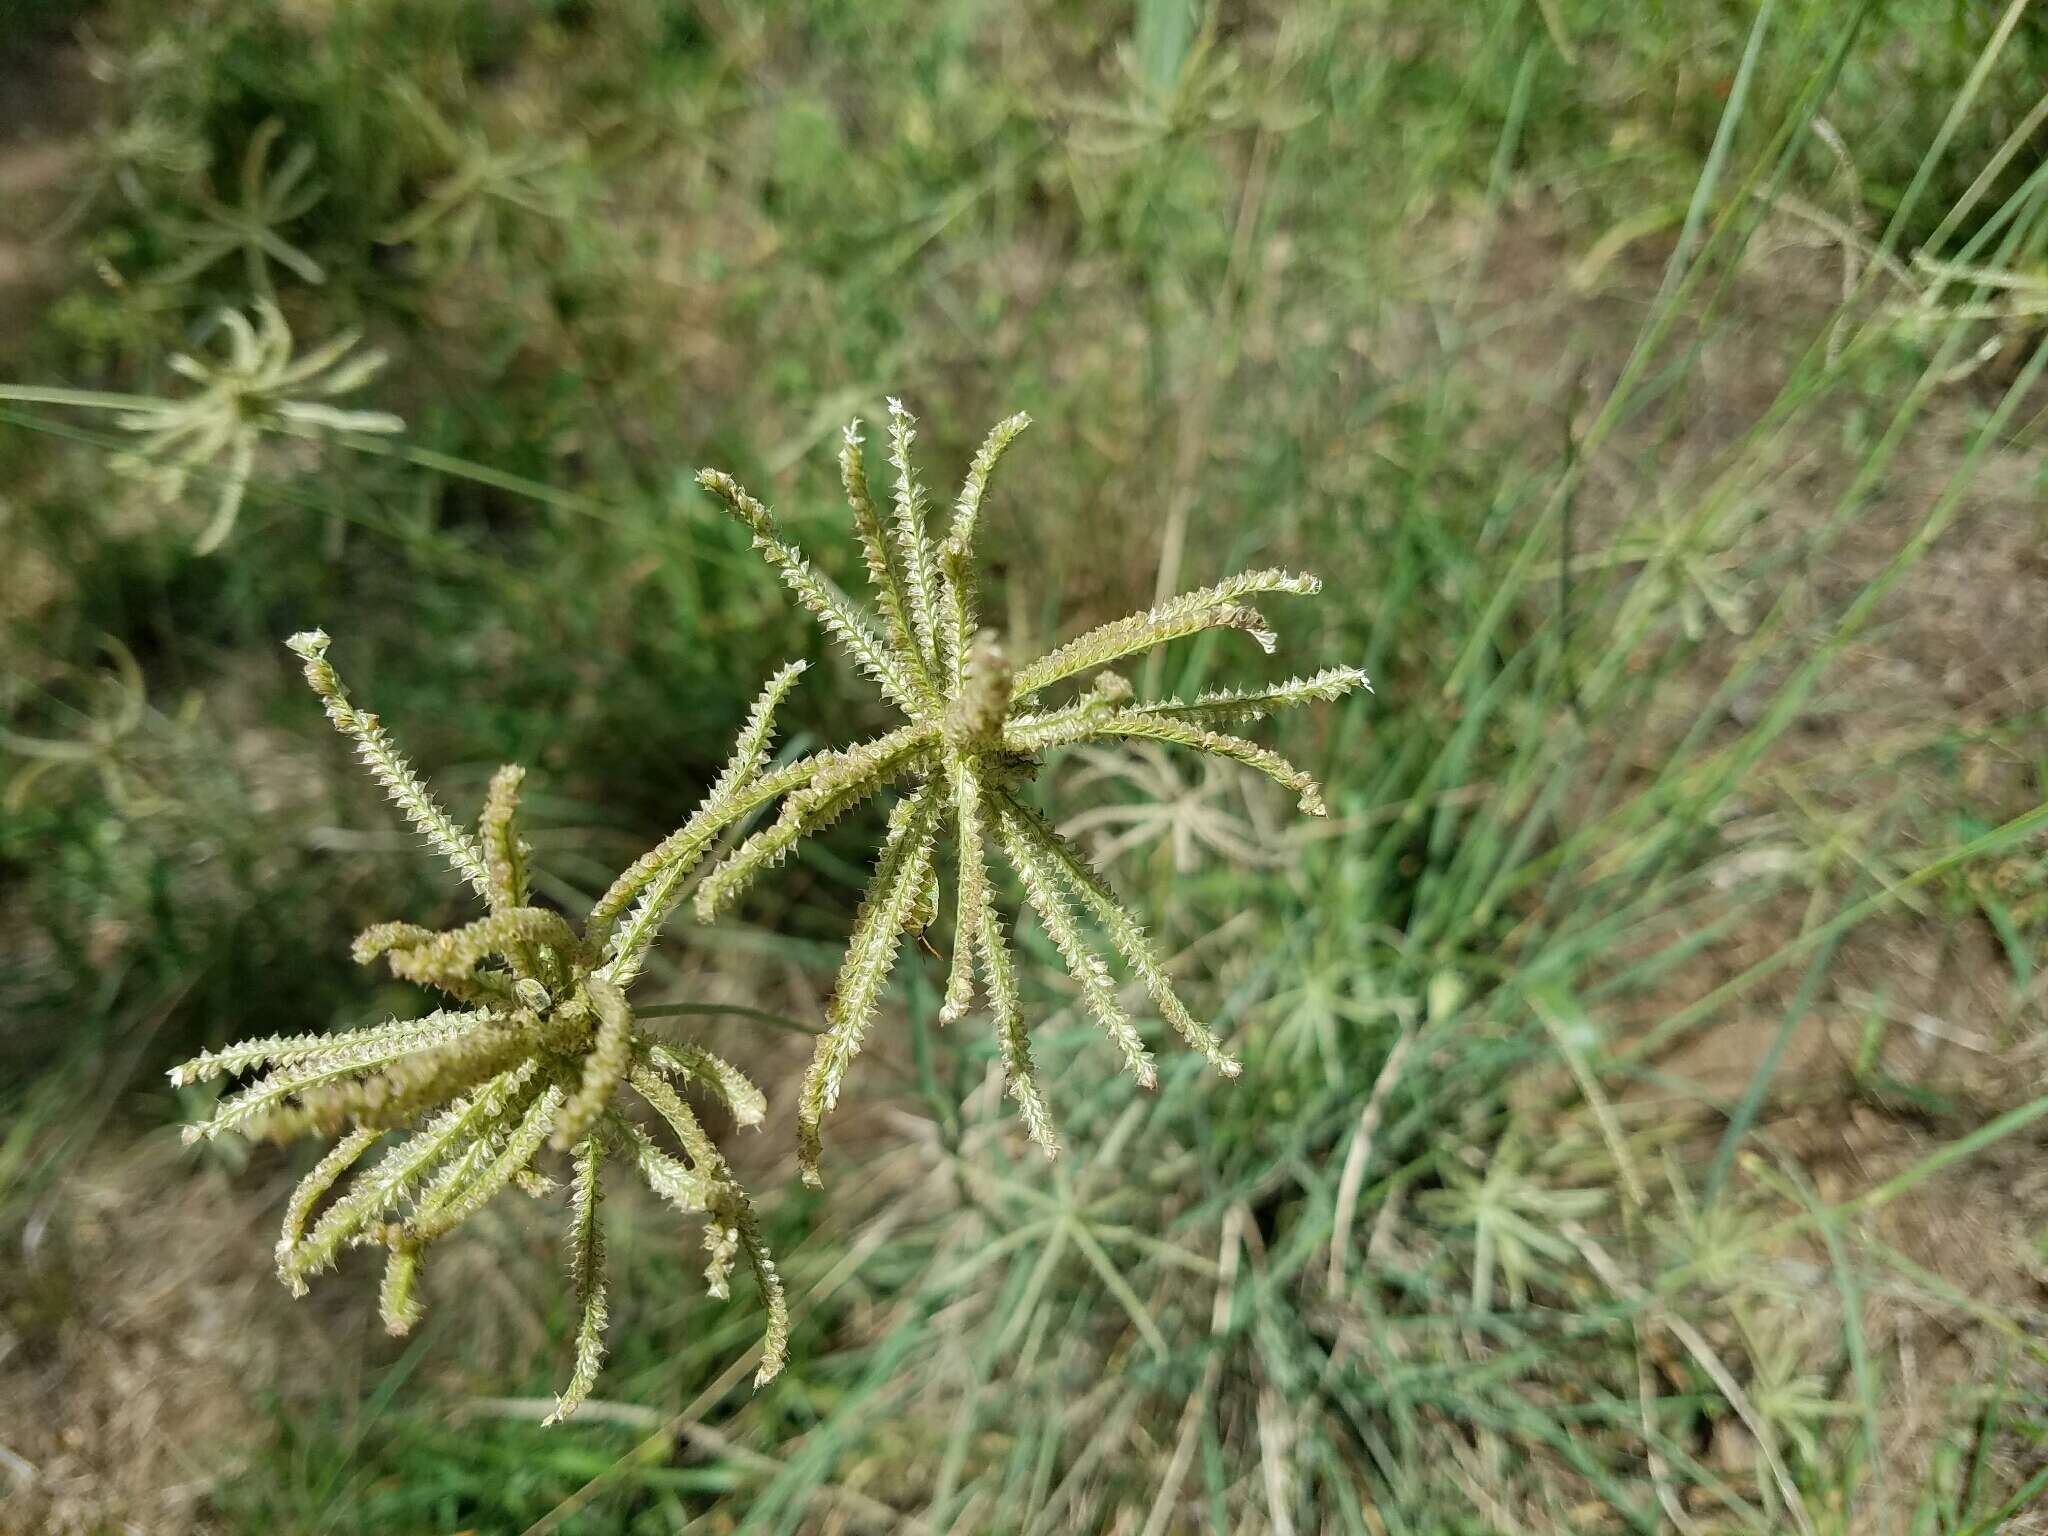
(1278, 283)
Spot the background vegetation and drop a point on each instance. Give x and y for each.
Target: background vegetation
(1642, 1121)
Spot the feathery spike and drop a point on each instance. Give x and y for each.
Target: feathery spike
(367, 1051)
(1132, 723)
(692, 1064)
(527, 1139)
(604, 1064)
(341, 1157)
(830, 606)
(1225, 706)
(1082, 878)
(883, 566)
(284, 1050)
(709, 1186)
(586, 1270)
(775, 1337)
(388, 766)
(913, 540)
(1013, 1038)
(958, 599)
(671, 1179)
(870, 955)
(974, 897)
(1218, 607)
(504, 853)
(839, 782)
(1098, 991)
(397, 1174)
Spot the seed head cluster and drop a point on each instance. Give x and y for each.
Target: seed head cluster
(976, 728)
(537, 1052)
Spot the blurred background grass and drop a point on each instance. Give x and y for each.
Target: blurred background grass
(1641, 1121)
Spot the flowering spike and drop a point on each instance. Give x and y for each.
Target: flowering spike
(775, 1337)
(837, 782)
(438, 1219)
(654, 881)
(956, 558)
(670, 1178)
(1013, 1038)
(1217, 607)
(726, 1083)
(884, 568)
(390, 769)
(286, 1050)
(1124, 932)
(586, 1272)
(604, 1064)
(1098, 990)
(1132, 723)
(974, 902)
(913, 540)
(353, 1054)
(870, 955)
(825, 601)
(341, 1157)
(729, 1202)
(1228, 706)
(504, 853)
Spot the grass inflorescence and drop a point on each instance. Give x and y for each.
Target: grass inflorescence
(537, 1055)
